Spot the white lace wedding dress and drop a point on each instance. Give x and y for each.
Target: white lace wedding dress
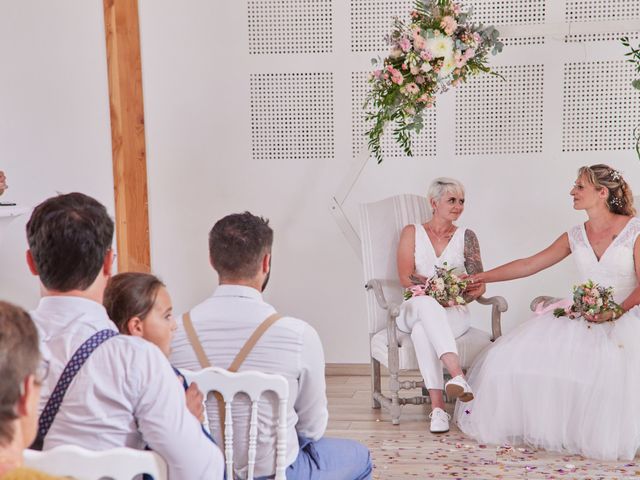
(566, 384)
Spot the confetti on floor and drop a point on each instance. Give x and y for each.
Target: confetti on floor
(409, 450)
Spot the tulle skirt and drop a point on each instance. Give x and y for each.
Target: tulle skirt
(560, 384)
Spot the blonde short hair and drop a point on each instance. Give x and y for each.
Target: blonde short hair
(442, 185)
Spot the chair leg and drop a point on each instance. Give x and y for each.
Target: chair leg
(394, 386)
(375, 382)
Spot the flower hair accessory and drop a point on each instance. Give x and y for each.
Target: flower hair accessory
(616, 201)
(615, 175)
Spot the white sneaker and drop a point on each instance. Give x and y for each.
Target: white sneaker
(439, 421)
(458, 387)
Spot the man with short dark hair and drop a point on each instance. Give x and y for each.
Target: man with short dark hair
(240, 251)
(19, 391)
(125, 392)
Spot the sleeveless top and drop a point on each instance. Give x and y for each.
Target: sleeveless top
(425, 255)
(616, 267)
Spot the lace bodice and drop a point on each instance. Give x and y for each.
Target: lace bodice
(425, 255)
(616, 267)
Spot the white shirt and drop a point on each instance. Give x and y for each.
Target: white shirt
(126, 393)
(290, 347)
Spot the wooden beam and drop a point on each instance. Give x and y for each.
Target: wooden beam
(127, 134)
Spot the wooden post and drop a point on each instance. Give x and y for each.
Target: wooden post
(127, 134)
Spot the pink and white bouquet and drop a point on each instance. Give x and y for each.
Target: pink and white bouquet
(445, 286)
(439, 47)
(589, 298)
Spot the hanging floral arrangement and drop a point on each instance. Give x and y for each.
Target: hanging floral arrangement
(634, 57)
(437, 49)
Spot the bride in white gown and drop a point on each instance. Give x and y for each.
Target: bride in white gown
(570, 385)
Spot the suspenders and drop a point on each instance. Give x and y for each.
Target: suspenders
(237, 361)
(68, 374)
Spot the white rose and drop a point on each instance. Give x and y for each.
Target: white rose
(426, 67)
(447, 68)
(440, 46)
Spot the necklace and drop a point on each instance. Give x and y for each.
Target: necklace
(445, 236)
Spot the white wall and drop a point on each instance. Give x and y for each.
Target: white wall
(202, 69)
(54, 117)
(204, 64)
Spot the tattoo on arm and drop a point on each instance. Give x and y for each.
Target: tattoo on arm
(415, 279)
(472, 259)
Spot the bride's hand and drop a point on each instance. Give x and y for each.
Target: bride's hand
(600, 317)
(473, 280)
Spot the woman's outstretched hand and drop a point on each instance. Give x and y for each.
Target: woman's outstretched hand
(475, 287)
(605, 316)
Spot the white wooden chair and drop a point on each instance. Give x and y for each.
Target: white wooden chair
(82, 464)
(253, 384)
(381, 223)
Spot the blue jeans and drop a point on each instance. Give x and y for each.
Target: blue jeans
(331, 459)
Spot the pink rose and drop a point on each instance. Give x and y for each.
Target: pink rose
(396, 75)
(419, 79)
(417, 290)
(426, 55)
(404, 44)
(418, 41)
(469, 53)
(449, 24)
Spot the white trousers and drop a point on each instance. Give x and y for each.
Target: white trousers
(434, 330)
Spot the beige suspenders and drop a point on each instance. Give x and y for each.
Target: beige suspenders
(237, 361)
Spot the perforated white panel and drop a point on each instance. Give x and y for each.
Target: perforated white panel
(600, 107)
(371, 20)
(423, 145)
(522, 41)
(494, 116)
(592, 10)
(600, 37)
(508, 12)
(290, 26)
(292, 115)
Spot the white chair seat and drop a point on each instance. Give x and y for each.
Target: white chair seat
(469, 346)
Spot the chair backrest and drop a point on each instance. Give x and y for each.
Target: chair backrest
(82, 464)
(380, 226)
(253, 384)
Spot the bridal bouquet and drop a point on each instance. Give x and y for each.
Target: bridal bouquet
(588, 298)
(445, 286)
(439, 47)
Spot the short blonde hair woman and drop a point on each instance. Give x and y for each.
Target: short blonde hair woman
(433, 327)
